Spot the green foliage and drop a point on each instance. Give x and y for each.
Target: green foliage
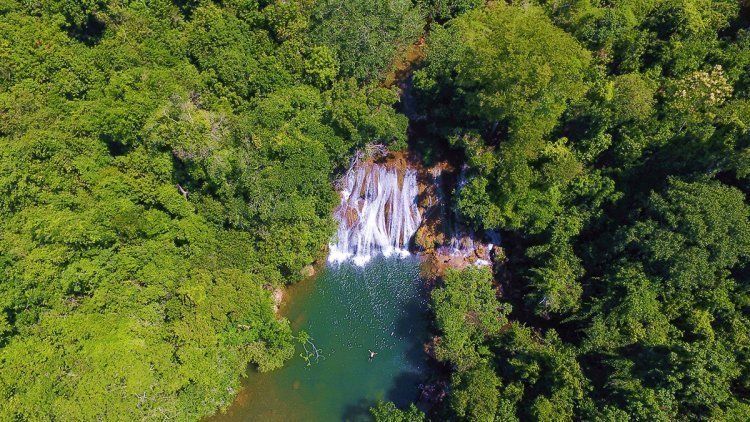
(477, 57)
(632, 99)
(321, 67)
(695, 233)
(467, 312)
(388, 412)
(476, 395)
(442, 10)
(365, 34)
(163, 168)
(474, 77)
(609, 141)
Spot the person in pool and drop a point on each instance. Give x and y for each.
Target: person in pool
(372, 354)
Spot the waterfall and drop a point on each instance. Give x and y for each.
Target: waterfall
(462, 241)
(378, 213)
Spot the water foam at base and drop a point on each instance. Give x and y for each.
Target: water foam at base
(378, 213)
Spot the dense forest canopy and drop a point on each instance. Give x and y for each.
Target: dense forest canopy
(609, 141)
(165, 165)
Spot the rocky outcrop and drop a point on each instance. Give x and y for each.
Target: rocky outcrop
(278, 297)
(442, 239)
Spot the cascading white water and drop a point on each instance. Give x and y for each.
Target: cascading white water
(378, 213)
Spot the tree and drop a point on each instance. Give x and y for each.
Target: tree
(365, 34)
(621, 187)
(165, 166)
(473, 74)
(466, 312)
(388, 412)
(476, 394)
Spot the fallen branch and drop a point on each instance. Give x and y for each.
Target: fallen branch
(310, 355)
(183, 191)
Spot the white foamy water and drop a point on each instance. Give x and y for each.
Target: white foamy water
(378, 213)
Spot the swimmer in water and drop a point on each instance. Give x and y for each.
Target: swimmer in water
(372, 354)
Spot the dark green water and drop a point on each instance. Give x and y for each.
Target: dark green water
(346, 310)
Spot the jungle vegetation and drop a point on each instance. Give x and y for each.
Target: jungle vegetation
(163, 167)
(608, 141)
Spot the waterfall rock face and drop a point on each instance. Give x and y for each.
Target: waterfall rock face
(463, 241)
(378, 213)
(445, 239)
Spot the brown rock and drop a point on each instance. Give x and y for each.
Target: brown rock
(352, 216)
(307, 271)
(278, 297)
